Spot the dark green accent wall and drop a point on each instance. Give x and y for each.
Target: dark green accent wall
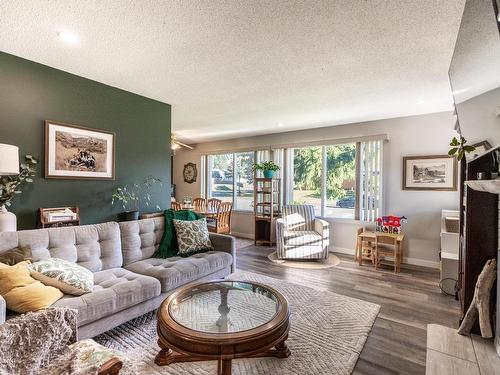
(31, 93)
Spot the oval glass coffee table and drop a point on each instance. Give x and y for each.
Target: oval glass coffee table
(222, 320)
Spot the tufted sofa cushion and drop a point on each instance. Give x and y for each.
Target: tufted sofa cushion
(114, 290)
(96, 247)
(176, 271)
(140, 238)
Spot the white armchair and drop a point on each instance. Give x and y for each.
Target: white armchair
(299, 235)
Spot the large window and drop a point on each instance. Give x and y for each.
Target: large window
(230, 178)
(307, 177)
(244, 180)
(340, 181)
(220, 184)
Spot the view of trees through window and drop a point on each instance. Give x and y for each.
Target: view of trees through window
(340, 187)
(232, 177)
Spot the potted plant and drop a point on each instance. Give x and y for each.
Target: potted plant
(130, 197)
(267, 167)
(10, 186)
(459, 148)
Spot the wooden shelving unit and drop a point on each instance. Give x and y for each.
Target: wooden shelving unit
(267, 208)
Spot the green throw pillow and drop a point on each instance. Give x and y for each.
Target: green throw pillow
(168, 244)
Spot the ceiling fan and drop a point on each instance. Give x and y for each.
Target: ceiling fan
(175, 144)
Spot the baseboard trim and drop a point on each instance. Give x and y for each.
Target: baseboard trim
(406, 260)
(421, 262)
(242, 235)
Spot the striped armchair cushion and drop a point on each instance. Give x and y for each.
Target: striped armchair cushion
(299, 217)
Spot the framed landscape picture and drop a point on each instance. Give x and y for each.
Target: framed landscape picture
(480, 148)
(436, 172)
(76, 152)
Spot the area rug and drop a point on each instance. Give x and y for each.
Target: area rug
(313, 264)
(328, 332)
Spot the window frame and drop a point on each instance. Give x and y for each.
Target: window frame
(206, 185)
(287, 173)
(289, 165)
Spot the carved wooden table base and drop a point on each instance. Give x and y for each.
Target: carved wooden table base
(179, 343)
(167, 356)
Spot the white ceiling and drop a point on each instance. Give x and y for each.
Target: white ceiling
(237, 68)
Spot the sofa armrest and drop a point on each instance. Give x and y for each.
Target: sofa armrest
(3, 310)
(225, 243)
(322, 227)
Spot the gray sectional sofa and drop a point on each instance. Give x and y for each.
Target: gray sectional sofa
(128, 281)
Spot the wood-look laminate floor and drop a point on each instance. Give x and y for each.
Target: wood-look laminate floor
(409, 301)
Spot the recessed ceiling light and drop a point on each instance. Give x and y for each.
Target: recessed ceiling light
(280, 124)
(68, 37)
(421, 101)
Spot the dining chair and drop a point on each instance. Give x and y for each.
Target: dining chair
(387, 250)
(366, 247)
(213, 204)
(199, 204)
(222, 222)
(176, 206)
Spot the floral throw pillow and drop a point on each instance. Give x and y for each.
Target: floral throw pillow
(192, 236)
(69, 278)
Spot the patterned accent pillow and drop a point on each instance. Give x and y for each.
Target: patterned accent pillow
(69, 278)
(192, 236)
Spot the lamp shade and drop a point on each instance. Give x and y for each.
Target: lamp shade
(9, 160)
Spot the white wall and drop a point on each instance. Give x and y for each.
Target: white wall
(415, 135)
(478, 117)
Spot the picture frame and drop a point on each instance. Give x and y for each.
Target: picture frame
(78, 152)
(480, 148)
(430, 172)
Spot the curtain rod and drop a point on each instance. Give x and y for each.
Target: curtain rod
(324, 142)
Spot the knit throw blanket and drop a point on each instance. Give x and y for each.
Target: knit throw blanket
(30, 341)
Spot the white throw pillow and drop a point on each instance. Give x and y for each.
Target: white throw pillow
(69, 278)
(192, 236)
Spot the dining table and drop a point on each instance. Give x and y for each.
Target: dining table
(206, 212)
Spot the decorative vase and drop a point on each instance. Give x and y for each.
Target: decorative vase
(130, 215)
(8, 221)
(268, 174)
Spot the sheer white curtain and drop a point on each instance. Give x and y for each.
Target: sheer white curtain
(278, 157)
(370, 180)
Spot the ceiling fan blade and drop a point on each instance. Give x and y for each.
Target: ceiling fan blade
(184, 145)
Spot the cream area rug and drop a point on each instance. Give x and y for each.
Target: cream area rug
(312, 264)
(328, 332)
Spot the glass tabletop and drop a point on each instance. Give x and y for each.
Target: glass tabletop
(224, 307)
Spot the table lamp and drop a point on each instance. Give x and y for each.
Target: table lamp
(9, 165)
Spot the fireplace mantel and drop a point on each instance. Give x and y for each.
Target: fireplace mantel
(489, 186)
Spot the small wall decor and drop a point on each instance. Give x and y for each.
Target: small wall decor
(190, 173)
(479, 149)
(76, 152)
(436, 172)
